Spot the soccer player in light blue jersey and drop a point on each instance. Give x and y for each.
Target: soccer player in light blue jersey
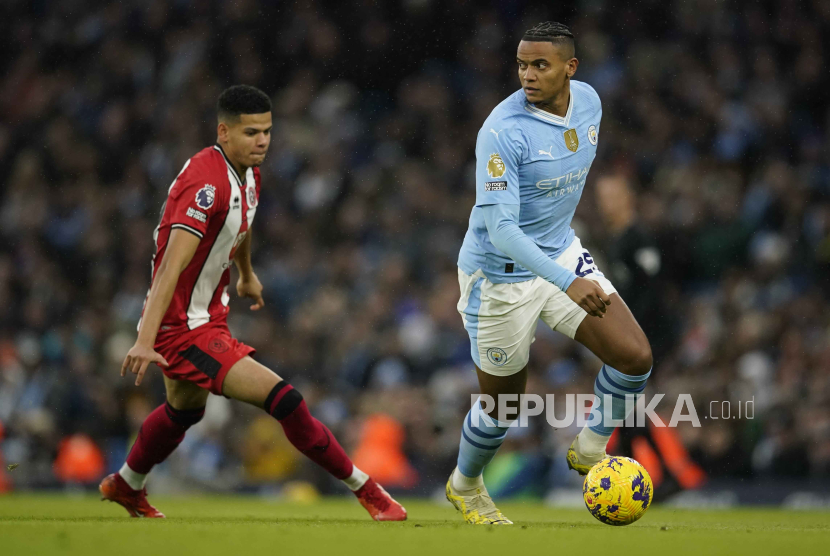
(521, 261)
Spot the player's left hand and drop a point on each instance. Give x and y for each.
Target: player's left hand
(250, 286)
(589, 295)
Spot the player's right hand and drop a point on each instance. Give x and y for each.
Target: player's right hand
(588, 295)
(138, 359)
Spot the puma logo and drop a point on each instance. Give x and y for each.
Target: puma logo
(323, 448)
(494, 132)
(549, 153)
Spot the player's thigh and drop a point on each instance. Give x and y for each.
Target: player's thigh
(500, 320)
(560, 312)
(617, 339)
(182, 394)
(249, 381)
(201, 357)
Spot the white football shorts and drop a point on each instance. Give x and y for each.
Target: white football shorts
(501, 318)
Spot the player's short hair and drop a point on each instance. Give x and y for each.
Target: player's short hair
(241, 99)
(551, 31)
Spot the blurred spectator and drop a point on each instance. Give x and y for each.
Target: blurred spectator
(79, 460)
(634, 262)
(380, 454)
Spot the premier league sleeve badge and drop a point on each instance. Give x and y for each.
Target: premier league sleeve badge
(205, 197)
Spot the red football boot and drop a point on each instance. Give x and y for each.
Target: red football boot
(115, 489)
(378, 503)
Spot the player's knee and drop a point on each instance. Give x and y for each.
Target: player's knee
(282, 401)
(644, 360)
(636, 360)
(287, 406)
(184, 417)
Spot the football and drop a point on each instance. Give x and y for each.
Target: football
(617, 491)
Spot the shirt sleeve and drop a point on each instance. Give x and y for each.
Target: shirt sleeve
(502, 223)
(191, 203)
(498, 154)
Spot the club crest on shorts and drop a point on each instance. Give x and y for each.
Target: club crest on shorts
(218, 345)
(497, 356)
(571, 140)
(205, 196)
(495, 166)
(592, 134)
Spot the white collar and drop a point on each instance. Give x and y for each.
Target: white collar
(553, 118)
(230, 166)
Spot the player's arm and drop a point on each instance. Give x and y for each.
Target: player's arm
(248, 284)
(181, 247)
(503, 228)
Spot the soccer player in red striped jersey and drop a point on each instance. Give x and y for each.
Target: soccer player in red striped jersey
(205, 228)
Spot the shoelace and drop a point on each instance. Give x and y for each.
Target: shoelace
(376, 498)
(479, 500)
(142, 500)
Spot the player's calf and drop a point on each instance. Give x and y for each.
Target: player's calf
(316, 441)
(616, 396)
(162, 431)
(307, 434)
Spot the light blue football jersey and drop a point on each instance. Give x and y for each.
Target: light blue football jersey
(532, 158)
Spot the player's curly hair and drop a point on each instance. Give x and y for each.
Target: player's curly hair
(242, 99)
(550, 31)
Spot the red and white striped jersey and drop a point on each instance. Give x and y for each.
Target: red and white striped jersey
(211, 200)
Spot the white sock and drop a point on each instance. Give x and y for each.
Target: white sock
(463, 483)
(591, 444)
(356, 480)
(135, 480)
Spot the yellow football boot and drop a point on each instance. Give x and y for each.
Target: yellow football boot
(581, 464)
(478, 508)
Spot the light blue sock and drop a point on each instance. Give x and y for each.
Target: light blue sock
(479, 443)
(612, 382)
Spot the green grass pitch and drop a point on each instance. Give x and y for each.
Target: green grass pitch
(39, 524)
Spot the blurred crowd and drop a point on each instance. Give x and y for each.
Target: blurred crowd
(708, 206)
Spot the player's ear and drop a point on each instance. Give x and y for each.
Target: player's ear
(222, 131)
(572, 64)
